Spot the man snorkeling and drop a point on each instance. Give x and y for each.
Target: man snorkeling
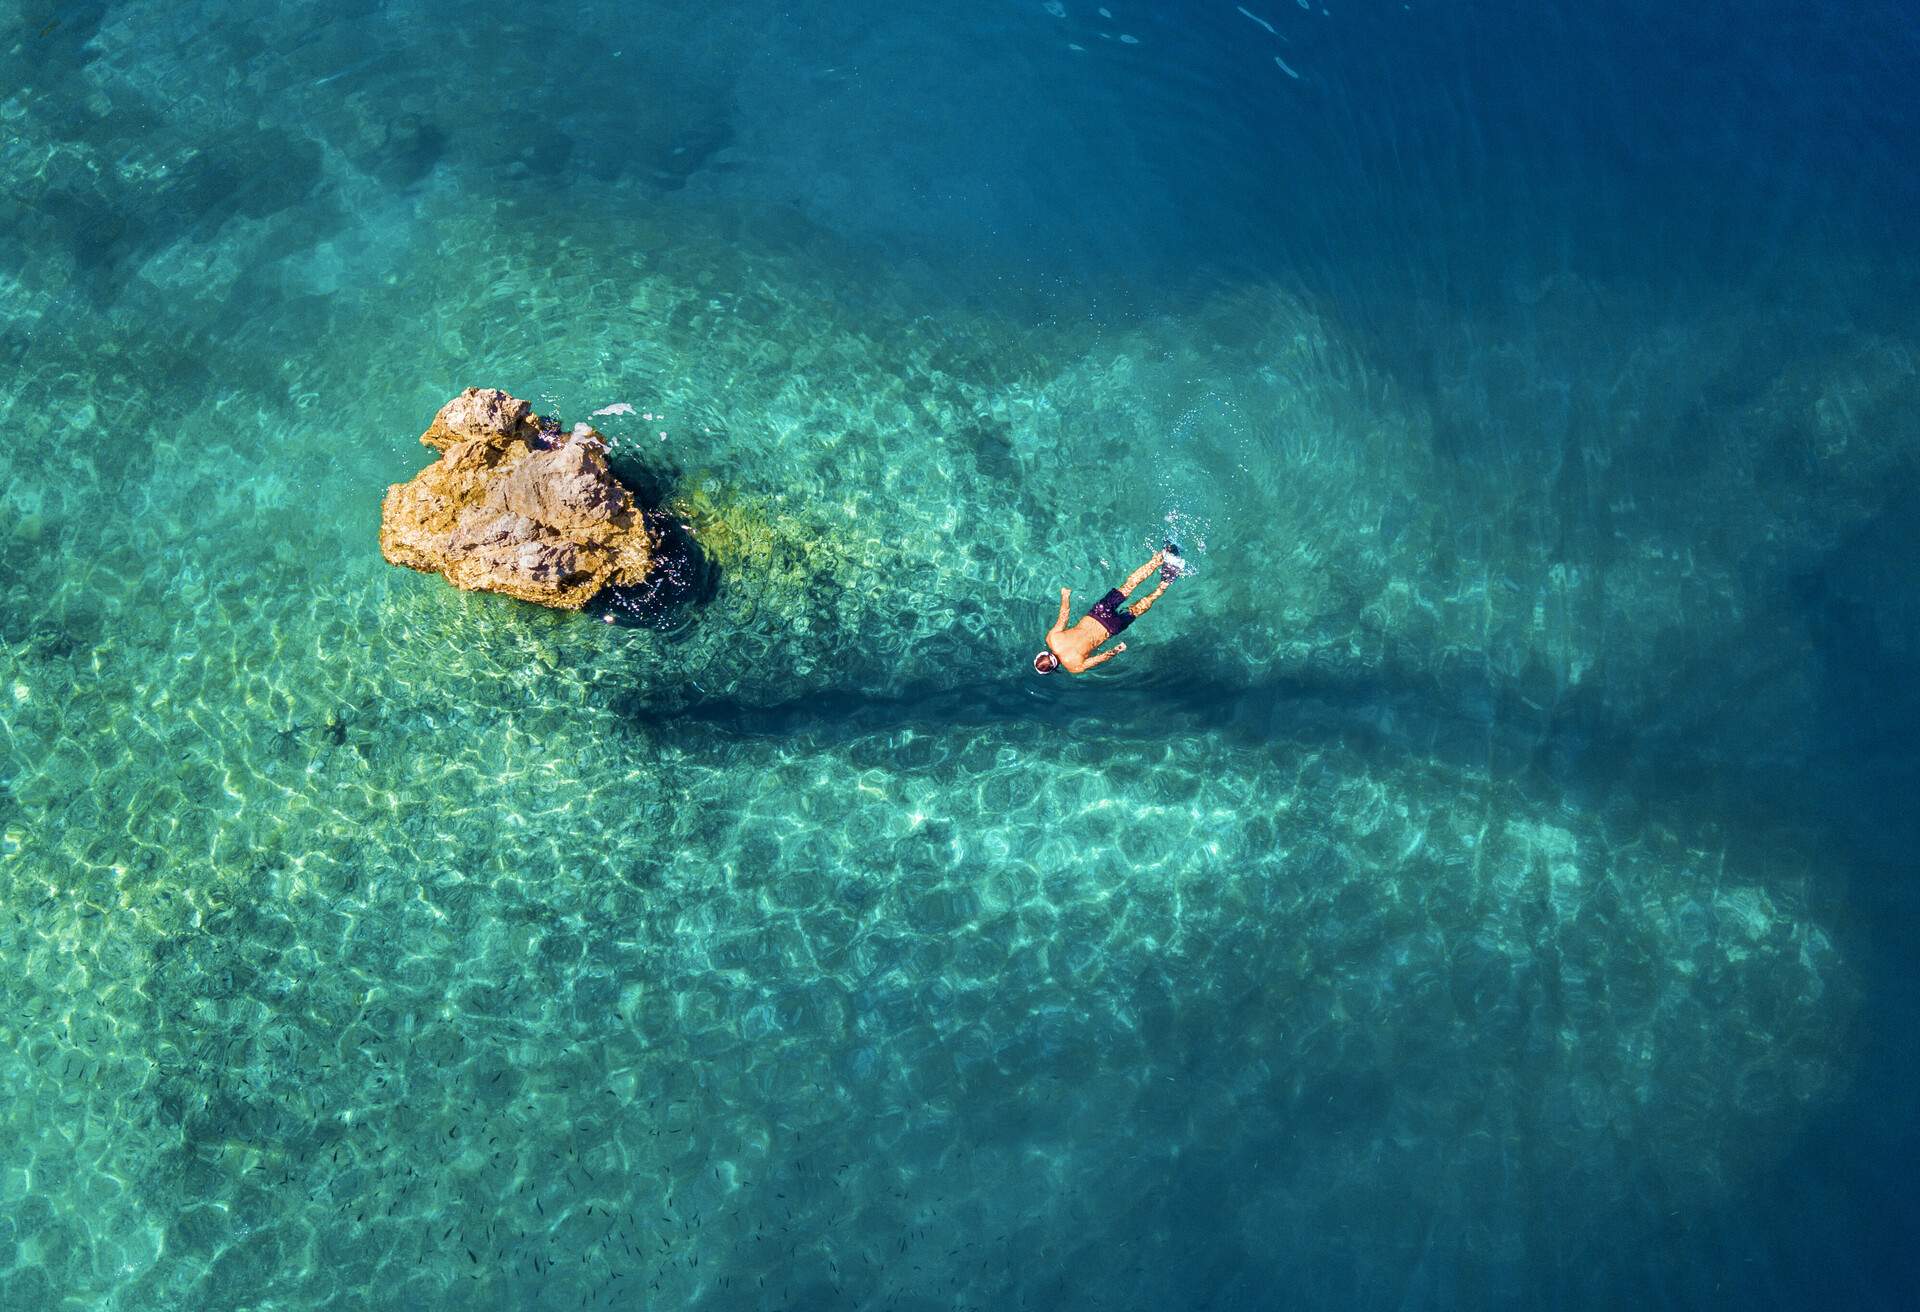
(1073, 648)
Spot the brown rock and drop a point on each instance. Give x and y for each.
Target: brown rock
(502, 511)
(486, 413)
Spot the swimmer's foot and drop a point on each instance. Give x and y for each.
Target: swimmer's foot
(1171, 565)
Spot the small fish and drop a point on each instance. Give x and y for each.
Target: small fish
(351, 68)
(1256, 18)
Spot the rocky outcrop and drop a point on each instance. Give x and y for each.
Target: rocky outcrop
(515, 507)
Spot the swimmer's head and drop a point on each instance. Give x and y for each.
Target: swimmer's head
(1045, 663)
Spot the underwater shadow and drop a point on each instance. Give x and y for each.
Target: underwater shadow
(1374, 715)
(1578, 747)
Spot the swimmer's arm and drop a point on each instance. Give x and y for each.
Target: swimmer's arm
(1106, 655)
(1061, 623)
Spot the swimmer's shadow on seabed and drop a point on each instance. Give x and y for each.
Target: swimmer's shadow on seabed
(1575, 742)
(1368, 711)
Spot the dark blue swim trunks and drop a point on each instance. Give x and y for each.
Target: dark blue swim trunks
(1111, 611)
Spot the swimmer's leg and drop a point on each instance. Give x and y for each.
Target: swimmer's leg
(1142, 606)
(1139, 576)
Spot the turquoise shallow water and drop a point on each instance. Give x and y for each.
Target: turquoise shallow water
(1475, 886)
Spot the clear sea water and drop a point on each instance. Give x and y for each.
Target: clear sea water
(1487, 881)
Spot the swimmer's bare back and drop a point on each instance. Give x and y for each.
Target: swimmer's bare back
(1075, 648)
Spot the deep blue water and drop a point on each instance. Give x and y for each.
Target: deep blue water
(1487, 881)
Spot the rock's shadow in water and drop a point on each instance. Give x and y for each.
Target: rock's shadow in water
(682, 581)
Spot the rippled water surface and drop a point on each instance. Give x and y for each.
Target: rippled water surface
(1487, 880)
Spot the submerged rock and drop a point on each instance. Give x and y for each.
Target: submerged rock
(512, 508)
